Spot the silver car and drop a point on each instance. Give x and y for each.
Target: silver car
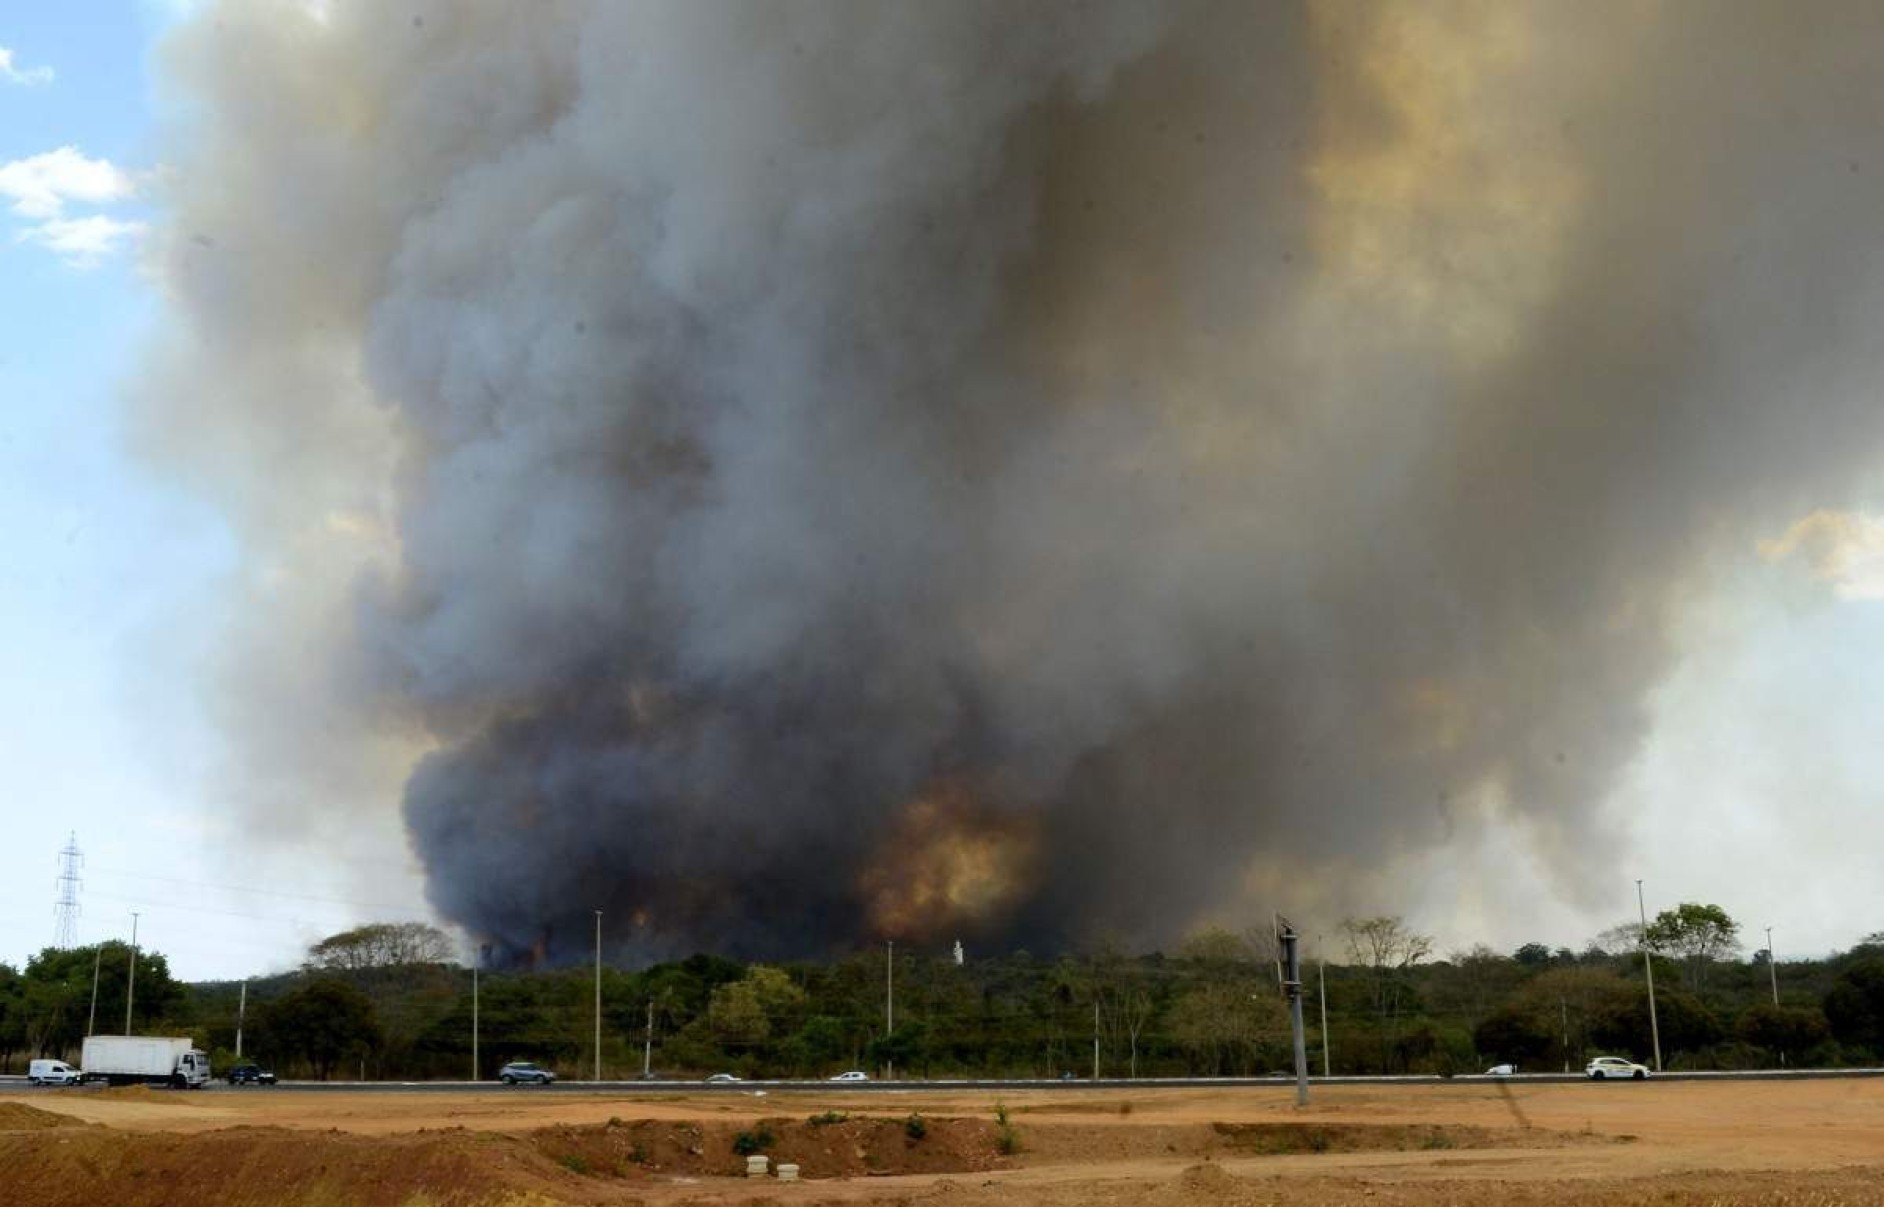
(524, 1070)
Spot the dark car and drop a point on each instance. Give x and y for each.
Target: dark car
(251, 1075)
(523, 1070)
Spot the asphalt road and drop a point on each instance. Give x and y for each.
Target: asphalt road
(663, 1085)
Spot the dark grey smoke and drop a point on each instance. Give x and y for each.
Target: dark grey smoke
(794, 473)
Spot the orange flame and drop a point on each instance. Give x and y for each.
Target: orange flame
(953, 862)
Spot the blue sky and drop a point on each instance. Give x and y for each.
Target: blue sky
(109, 567)
(100, 552)
(1756, 787)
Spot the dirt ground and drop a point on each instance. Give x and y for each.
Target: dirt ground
(1785, 1144)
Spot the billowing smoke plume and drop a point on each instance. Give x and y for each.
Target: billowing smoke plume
(791, 473)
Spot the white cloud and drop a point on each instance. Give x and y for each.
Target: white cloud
(83, 242)
(39, 189)
(39, 186)
(26, 77)
(1843, 548)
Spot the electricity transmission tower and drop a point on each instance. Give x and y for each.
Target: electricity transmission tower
(66, 909)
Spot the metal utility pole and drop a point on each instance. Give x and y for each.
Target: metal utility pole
(1292, 988)
(476, 1067)
(1772, 974)
(1648, 964)
(1563, 1008)
(130, 980)
(1321, 977)
(598, 995)
(889, 1003)
(647, 1050)
(98, 956)
(1095, 1039)
(242, 1010)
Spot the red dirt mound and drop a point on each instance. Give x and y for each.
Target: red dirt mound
(18, 1117)
(281, 1168)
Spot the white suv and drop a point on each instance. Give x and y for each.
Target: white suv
(523, 1070)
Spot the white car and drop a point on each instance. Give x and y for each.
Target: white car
(853, 1075)
(1501, 1070)
(1614, 1066)
(722, 1078)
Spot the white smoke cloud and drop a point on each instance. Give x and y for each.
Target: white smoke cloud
(1842, 548)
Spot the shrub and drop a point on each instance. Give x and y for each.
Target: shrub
(1006, 1139)
(757, 1141)
(915, 1128)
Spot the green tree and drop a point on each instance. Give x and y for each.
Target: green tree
(322, 1023)
(1788, 1032)
(1126, 1003)
(1686, 1024)
(1569, 1003)
(1386, 950)
(56, 994)
(12, 1016)
(1855, 1005)
(1515, 1035)
(1532, 955)
(1227, 1026)
(1696, 934)
(378, 945)
(820, 1044)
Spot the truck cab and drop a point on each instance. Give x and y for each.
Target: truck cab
(192, 1070)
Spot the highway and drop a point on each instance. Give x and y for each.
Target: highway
(18, 1083)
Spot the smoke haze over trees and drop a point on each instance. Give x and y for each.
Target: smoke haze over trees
(787, 475)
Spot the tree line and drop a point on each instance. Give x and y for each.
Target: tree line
(386, 1001)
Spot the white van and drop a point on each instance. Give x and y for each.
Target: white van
(52, 1072)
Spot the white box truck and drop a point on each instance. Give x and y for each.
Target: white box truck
(144, 1060)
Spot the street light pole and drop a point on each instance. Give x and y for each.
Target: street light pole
(98, 957)
(1772, 974)
(130, 980)
(598, 995)
(889, 1003)
(647, 1051)
(1648, 965)
(475, 1066)
(1321, 977)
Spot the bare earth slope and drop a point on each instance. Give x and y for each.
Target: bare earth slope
(1798, 1144)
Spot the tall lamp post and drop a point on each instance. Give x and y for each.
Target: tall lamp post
(98, 960)
(1648, 965)
(598, 995)
(130, 980)
(1772, 974)
(889, 1003)
(1321, 975)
